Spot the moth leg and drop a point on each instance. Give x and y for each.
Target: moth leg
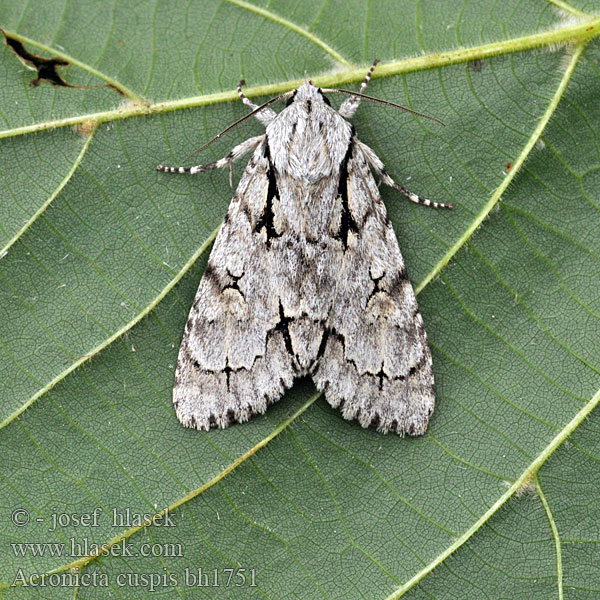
(237, 152)
(265, 116)
(376, 164)
(349, 106)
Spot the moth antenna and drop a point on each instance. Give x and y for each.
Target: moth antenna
(244, 118)
(367, 78)
(379, 101)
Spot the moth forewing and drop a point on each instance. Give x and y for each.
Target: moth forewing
(306, 278)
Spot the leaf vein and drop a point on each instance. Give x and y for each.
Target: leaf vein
(497, 195)
(293, 27)
(555, 537)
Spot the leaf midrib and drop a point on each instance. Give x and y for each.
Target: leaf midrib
(583, 31)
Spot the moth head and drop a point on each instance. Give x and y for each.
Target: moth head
(308, 91)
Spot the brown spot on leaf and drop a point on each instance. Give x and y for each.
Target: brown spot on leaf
(86, 128)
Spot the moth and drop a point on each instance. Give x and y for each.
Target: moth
(306, 278)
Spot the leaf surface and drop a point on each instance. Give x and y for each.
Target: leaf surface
(100, 257)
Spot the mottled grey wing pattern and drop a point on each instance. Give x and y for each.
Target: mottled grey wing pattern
(375, 364)
(306, 277)
(233, 360)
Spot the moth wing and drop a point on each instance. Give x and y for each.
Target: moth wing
(375, 364)
(233, 360)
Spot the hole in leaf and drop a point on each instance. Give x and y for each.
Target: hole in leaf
(45, 68)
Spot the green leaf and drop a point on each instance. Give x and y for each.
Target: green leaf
(100, 257)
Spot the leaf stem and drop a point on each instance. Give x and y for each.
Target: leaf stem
(568, 8)
(530, 471)
(116, 335)
(579, 32)
(54, 194)
(78, 564)
(293, 27)
(555, 536)
(519, 161)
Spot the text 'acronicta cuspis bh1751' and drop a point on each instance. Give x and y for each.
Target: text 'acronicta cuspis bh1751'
(306, 277)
